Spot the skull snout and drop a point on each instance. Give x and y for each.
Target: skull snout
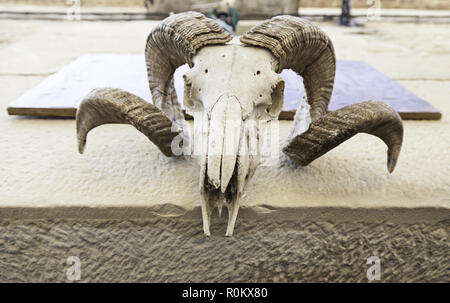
(224, 137)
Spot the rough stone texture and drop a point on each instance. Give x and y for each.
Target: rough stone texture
(267, 250)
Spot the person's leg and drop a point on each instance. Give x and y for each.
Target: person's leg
(345, 15)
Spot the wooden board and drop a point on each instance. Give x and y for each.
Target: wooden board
(60, 94)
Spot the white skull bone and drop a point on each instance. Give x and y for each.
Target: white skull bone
(230, 90)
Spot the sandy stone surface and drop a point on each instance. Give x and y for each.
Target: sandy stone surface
(41, 166)
(40, 169)
(266, 250)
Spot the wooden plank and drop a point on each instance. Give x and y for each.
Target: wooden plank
(284, 115)
(43, 112)
(60, 94)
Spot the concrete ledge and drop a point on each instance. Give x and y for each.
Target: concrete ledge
(332, 214)
(264, 249)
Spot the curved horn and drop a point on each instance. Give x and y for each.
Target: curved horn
(372, 117)
(171, 44)
(110, 105)
(304, 48)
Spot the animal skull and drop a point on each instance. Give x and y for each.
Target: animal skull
(231, 89)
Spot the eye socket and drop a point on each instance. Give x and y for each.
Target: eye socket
(272, 105)
(189, 99)
(277, 97)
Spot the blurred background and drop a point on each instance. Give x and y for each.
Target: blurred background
(246, 8)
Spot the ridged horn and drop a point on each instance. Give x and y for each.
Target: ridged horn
(304, 48)
(372, 117)
(171, 44)
(111, 105)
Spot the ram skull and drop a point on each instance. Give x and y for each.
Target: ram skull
(231, 89)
